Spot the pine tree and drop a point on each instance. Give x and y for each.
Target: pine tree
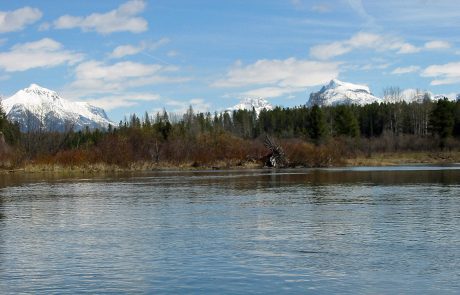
(345, 122)
(317, 128)
(442, 120)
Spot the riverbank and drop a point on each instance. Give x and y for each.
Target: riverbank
(405, 158)
(134, 167)
(376, 159)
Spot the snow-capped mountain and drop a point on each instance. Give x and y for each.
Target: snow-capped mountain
(258, 104)
(37, 107)
(338, 92)
(409, 95)
(417, 95)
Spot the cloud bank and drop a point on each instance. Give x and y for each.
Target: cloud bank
(17, 20)
(122, 19)
(44, 53)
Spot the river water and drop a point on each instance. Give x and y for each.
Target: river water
(347, 231)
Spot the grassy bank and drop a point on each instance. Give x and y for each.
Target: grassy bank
(376, 159)
(134, 167)
(405, 158)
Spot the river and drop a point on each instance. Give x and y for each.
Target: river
(321, 231)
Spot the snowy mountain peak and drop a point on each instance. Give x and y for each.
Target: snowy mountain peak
(338, 92)
(337, 84)
(41, 91)
(39, 107)
(334, 83)
(34, 86)
(258, 104)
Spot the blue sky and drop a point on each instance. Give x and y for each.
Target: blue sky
(135, 56)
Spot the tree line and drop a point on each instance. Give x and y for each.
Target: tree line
(311, 136)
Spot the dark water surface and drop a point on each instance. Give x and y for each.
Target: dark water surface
(347, 231)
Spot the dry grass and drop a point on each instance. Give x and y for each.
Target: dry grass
(133, 167)
(405, 158)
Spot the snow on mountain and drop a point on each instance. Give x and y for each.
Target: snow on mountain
(338, 92)
(249, 103)
(37, 107)
(408, 96)
(416, 95)
(451, 97)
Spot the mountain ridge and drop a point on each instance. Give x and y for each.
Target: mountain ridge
(337, 92)
(36, 107)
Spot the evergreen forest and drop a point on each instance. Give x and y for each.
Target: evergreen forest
(310, 136)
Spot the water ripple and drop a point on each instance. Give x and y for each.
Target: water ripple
(260, 232)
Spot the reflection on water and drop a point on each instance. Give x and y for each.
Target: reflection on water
(255, 231)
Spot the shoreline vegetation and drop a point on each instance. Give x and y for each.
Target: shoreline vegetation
(378, 159)
(378, 134)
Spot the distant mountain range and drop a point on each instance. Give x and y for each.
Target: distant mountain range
(36, 108)
(258, 104)
(338, 92)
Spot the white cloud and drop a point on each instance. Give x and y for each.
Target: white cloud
(44, 53)
(122, 19)
(94, 70)
(282, 73)
(328, 51)
(444, 74)
(199, 105)
(405, 70)
(98, 77)
(362, 40)
(365, 40)
(126, 50)
(17, 20)
(114, 85)
(407, 48)
(271, 92)
(111, 102)
(275, 78)
(433, 45)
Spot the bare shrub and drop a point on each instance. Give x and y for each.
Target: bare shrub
(300, 153)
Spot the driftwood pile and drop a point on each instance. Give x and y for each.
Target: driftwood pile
(276, 158)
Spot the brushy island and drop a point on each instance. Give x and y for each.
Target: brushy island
(374, 134)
